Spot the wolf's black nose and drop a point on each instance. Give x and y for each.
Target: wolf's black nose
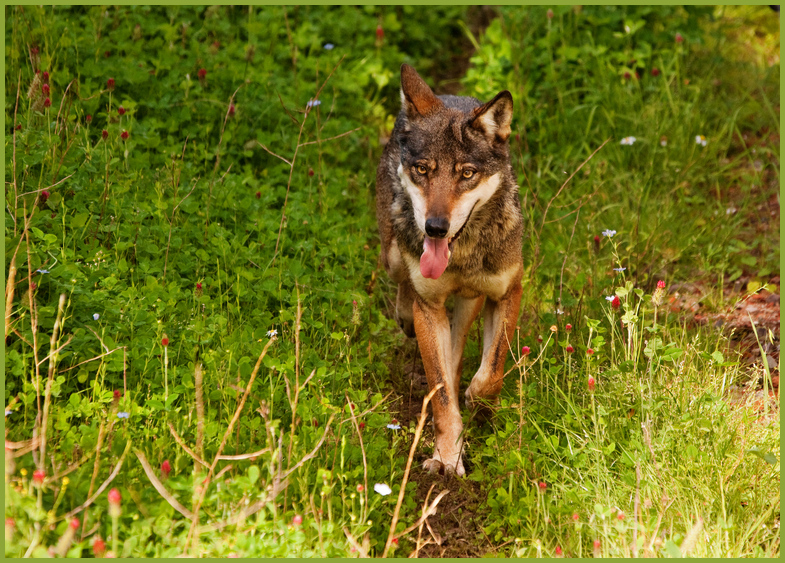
(437, 227)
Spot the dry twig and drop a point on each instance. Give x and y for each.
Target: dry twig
(417, 433)
(169, 497)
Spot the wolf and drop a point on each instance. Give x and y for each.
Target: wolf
(450, 224)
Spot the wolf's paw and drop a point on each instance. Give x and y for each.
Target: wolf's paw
(434, 465)
(478, 397)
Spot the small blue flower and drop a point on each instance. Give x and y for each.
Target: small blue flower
(123, 414)
(608, 233)
(96, 316)
(394, 426)
(329, 46)
(313, 103)
(619, 269)
(42, 271)
(8, 412)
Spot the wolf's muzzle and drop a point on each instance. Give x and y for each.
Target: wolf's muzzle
(437, 227)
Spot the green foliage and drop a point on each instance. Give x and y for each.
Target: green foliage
(597, 73)
(176, 233)
(230, 237)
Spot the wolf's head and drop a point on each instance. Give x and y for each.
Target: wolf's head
(454, 157)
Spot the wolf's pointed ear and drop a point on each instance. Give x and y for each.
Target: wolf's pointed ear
(417, 98)
(495, 117)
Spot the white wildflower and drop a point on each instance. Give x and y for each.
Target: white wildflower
(382, 489)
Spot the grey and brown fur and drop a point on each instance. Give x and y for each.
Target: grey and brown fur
(446, 171)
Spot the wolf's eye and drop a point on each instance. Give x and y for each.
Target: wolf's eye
(421, 169)
(468, 174)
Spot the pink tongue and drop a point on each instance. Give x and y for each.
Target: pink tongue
(434, 258)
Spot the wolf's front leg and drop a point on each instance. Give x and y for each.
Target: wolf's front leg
(433, 335)
(500, 319)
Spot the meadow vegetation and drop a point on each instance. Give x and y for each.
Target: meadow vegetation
(200, 355)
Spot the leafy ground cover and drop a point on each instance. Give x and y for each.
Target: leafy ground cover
(200, 356)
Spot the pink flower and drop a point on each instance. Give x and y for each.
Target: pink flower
(99, 546)
(590, 351)
(88, 118)
(575, 517)
(45, 89)
(558, 551)
(310, 172)
(661, 284)
(620, 515)
(297, 520)
(616, 302)
(539, 339)
(231, 110)
(655, 72)
(360, 488)
(117, 394)
(361, 425)
(395, 541)
(166, 468)
(590, 384)
(114, 497)
(679, 38)
(47, 103)
(74, 523)
(44, 196)
(104, 133)
(627, 76)
(525, 351)
(597, 545)
(379, 33)
(543, 485)
(570, 349)
(121, 110)
(124, 135)
(38, 477)
(45, 76)
(202, 74)
(568, 328)
(110, 82)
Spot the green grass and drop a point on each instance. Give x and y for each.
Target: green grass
(236, 223)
